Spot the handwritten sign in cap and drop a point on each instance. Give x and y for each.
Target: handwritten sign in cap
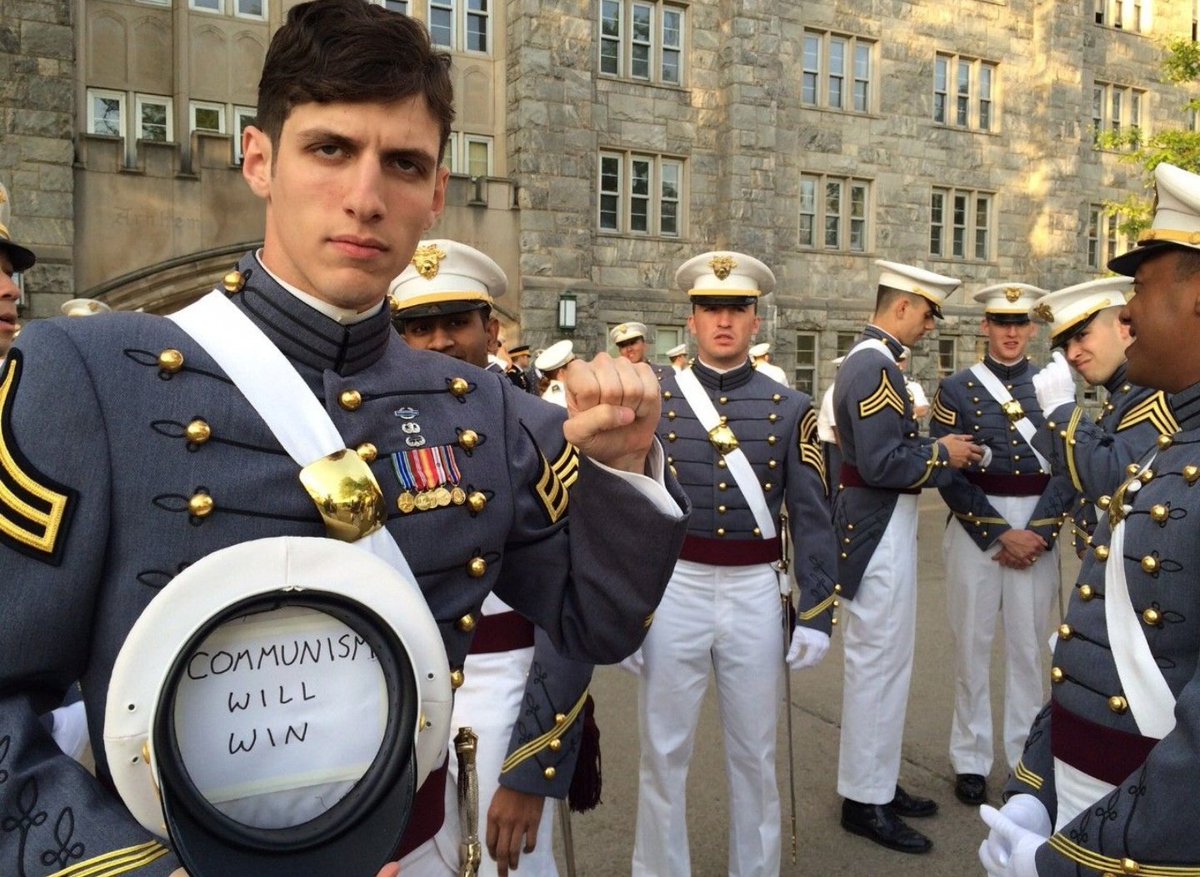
(285, 697)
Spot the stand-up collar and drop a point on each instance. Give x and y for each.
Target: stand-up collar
(1186, 406)
(1114, 383)
(1006, 372)
(896, 348)
(303, 333)
(729, 380)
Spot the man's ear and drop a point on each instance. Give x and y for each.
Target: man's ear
(256, 160)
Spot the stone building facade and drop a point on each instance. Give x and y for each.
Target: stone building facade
(600, 143)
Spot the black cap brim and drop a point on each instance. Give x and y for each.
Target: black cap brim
(1128, 263)
(1065, 335)
(724, 300)
(1008, 319)
(21, 258)
(439, 309)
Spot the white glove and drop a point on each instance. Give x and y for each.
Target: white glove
(1054, 385)
(633, 663)
(1016, 833)
(987, 457)
(808, 648)
(70, 729)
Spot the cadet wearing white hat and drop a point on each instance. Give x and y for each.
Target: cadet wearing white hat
(1085, 323)
(443, 302)
(1000, 547)
(630, 339)
(760, 355)
(678, 356)
(745, 449)
(549, 362)
(1117, 742)
(13, 258)
(886, 464)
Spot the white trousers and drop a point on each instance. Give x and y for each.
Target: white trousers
(729, 620)
(489, 702)
(878, 634)
(979, 592)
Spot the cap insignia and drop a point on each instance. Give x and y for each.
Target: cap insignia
(1012, 293)
(722, 266)
(1044, 313)
(427, 259)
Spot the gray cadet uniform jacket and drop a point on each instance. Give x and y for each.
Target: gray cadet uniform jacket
(776, 429)
(1150, 818)
(882, 451)
(962, 405)
(1094, 454)
(95, 437)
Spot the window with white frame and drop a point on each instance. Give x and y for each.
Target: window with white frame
(964, 93)
(256, 9)
(1105, 240)
(106, 112)
(469, 154)
(947, 357)
(1131, 15)
(960, 224)
(640, 194)
(153, 118)
(400, 6)
(640, 39)
(1116, 109)
(837, 71)
(834, 213)
(806, 362)
(843, 342)
(464, 25)
(242, 117)
(204, 116)
(666, 337)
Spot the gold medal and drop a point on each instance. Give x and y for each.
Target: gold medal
(405, 502)
(458, 496)
(425, 501)
(442, 495)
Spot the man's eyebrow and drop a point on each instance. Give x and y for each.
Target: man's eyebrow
(311, 136)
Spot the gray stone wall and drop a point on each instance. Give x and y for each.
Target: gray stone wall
(37, 72)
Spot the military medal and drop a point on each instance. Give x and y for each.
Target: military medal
(429, 477)
(1013, 410)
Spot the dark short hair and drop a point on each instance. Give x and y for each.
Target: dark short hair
(356, 52)
(1188, 264)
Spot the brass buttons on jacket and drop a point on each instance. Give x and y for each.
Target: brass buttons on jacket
(170, 361)
(198, 432)
(1101, 553)
(1159, 513)
(1151, 617)
(554, 745)
(477, 501)
(1086, 593)
(1104, 502)
(233, 282)
(1056, 675)
(1164, 442)
(1065, 631)
(201, 505)
(350, 400)
(477, 567)
(1118, 704)
(468, 439)
(457, 679)
(1191, 474)
(368, 452)
(550, 773)
(1150, 564)
(720, 531)
(459, 387)
(466, 624)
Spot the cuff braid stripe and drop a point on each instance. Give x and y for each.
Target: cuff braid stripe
(1027, 776)
(533, 747)
(117, 861)
(1108, 865)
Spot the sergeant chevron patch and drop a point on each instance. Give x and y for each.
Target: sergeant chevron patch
(885, 396)
(810, 446)
(555, 480)
(34, 509)
(1154, 409)
(941, 413)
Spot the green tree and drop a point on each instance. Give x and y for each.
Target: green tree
(1177, 146)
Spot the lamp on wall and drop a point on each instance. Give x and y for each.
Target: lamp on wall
(566, 312)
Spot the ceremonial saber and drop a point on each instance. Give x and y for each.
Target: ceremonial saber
(785, 599)
(470, 850)
(564, 823)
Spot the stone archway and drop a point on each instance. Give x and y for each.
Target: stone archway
(168, 286)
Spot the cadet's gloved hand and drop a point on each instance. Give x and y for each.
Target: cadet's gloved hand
(1016, 833)
(1054, 385)
(808, 648)
(987, 457)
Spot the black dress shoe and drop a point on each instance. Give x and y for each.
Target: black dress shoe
(879, 823)
(908, 805)
(970, 788)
